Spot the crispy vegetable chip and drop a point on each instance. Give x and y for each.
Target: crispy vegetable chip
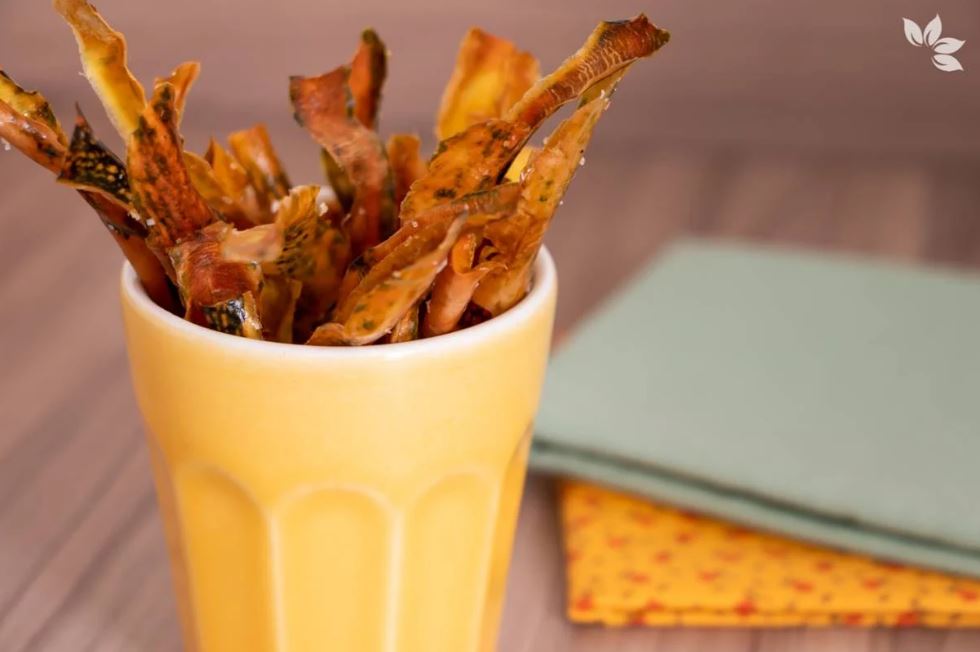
(103, 52)
(368, 70)
(277, 307)
(406, 329)
(603, 88)
(392, 288)
(395, 249)
(162, 189)
(491, 74)
(519, 236)
(287, 246)
(36, 140)
(406, 163)
(254, 152)
(231, 196)
(474, 315)
(130, 236)
(182, 78)
(29, 104)
(356, 272)
(242, 207)
(478, 156)
(297, 219)
(497, 202)
(340, 183)
(41, 139)
(205, 181)
(611, 47)
(204, 276)
(238, 316)
(89, 165)
(259, 244)
(468, 162)
(455, 285)
(323, 289)
(323, 105)
(516, 168)
(301, 245)
(477, 203)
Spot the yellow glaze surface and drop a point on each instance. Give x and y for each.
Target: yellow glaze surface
(348, 499)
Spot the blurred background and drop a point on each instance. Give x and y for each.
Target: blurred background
(811, 124)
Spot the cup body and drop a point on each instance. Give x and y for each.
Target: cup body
(339, 499)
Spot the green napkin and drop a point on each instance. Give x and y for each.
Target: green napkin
(832, 399)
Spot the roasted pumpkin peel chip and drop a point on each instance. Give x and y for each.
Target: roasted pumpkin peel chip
(611, 47)
(130, 237)
(498, 201)
(323, 105)
(470, 161)
(33, 130)
(516, 169)
(322, 290)
(240, 200)
(277, 307)
(297, 219)
(482, 206)
(451, 295)
(205, 181)
(254, 152)
(28, 124)
(406, 329)
(103, 53)
(204, 277)
(368, 70)
(30, 104)
(34, 139)
(89, 165)
(393, 289)
(260, 244)
(182, 78)
(518, 237)
(287, 250)
(163, 192)
(455, 285)
(406, 163)
(286, 246)
(397, 248)
(479, 155)
(491, 74)
(238, 316)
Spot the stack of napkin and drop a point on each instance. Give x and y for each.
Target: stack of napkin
(825, 399)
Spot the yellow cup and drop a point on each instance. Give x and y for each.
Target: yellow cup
(340, 499)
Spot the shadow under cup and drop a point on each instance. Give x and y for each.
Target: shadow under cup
(348, 499)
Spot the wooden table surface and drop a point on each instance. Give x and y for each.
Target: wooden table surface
(821, 129)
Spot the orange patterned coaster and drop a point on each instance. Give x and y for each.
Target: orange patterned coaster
(633, 562)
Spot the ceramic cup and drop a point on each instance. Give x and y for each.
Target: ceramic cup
(327, 499)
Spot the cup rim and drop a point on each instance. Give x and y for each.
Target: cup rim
(543, 286)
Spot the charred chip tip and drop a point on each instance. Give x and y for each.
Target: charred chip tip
(369, 35)
(182, 77)
(611, 48)
(636, 36)
(660, 35)
(310, 95)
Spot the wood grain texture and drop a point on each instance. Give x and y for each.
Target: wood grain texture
(815, 127)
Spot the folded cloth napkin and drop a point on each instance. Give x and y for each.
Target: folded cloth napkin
(830, 399)
(634, 562)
